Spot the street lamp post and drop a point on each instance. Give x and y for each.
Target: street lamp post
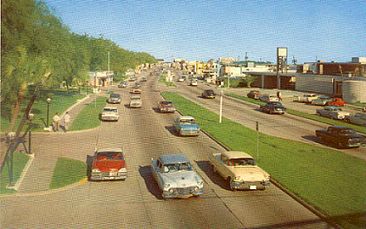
(221, 94)
(48, 111)
(30, 118)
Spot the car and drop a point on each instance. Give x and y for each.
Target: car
(133, 78)
(254, 94)
(336, 102)
(137, 85)
(114, 98)
(135, 91)
(143, 79)
(135, 101)
(166, 107)
(186, 126)
(268, 98)
(193, 82)
(306, 98)
(358, 119)
(181, 79)
(341, 137)
(240, 171)
(123, 84)
(332, 112)
(208, 94)
(321, 100)
(110, 114)
(273, 108)
(176, 177)
(108, 164)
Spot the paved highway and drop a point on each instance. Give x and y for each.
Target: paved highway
(136, 203)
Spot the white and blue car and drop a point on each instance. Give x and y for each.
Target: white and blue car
(186, 126)
(175, 176)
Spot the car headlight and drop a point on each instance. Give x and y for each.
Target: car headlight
(95, 171)
(237, 178)
(122, 170)
(196, 189)
(171, 190)
(200, 183)
(166, 186)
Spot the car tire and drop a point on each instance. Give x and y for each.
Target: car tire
(214, 169)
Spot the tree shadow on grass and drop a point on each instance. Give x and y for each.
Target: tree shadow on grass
(152, 186)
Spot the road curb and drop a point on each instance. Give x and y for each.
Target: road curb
(24, 172)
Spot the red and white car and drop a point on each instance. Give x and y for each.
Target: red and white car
(108, 164)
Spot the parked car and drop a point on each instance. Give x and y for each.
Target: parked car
(135, 101)
(321, 100)
(341, 137)
(110, 114)
(186, 126)
(208, 94)
(181, 79)
(108, 164)
(135, 91)
(254, 94)
(239, 170)
(114, 98)
(358, 118)
(193, 82)
(336, 102)
(123, 84)
(306, 98)
(175, 176)
(166, 107)
(268, 98)
(273, 108)
(332, 112)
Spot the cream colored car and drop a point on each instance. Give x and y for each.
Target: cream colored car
(239, 170)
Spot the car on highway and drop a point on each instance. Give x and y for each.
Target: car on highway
(166, 107)
(114, 98)
(358, 119)
(273, 108)
(240, 171)
(135, 101)
(135, 91)
(109, 114)
(137, 85)
(332, 112)
(341, 137)
(254, 94)
(176, 177)
(186, 126)
(108, 164)
(123, 84)
(268, 98)
(336, 102)
(306, 98)
(180, 79)
(321, 100)
(193, 82)
(208, 94)
(143, 79)
(132, 78)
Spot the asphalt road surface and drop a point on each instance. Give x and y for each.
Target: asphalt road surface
(136, 202)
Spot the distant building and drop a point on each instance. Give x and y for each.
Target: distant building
(101, 78)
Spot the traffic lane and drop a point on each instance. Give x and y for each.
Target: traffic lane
(199, 149)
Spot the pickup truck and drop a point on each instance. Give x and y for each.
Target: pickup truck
(239, 170)
(341, 137)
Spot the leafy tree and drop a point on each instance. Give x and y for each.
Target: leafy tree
(249, 79)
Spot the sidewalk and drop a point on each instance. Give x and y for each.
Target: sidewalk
(47, 147)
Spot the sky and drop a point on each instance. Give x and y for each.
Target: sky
(201, 30)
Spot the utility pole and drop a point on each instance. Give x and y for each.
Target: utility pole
(221, 94)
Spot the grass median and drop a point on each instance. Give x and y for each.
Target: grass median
(331, 181)
(313, 117)
(67, 171)
(19, 162)
(89, 116)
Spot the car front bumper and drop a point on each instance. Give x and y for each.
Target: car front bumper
(109, 118)
(242, 185)
(182, 192)
(108, 176)
(189, 132)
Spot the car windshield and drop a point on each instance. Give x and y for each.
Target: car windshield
(209, 92)
(186, 166)
(241, 161)
(275, 104)
(115, 95)
(347, 131)
(166, 103)
(101, 156)
(187, 121)
(110, 110)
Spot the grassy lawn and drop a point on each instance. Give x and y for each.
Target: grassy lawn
(89, 116)
(19, 161)
(328, 179)
(314, 117)
(61, 100)
(67, 171)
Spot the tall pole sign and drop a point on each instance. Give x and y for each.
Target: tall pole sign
(281, 63)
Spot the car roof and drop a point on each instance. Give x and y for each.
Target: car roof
(186, 117)
(109, 150)
(334, 107)
(110, 108)
(173, 158)
(236, 154)
(342, 127)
